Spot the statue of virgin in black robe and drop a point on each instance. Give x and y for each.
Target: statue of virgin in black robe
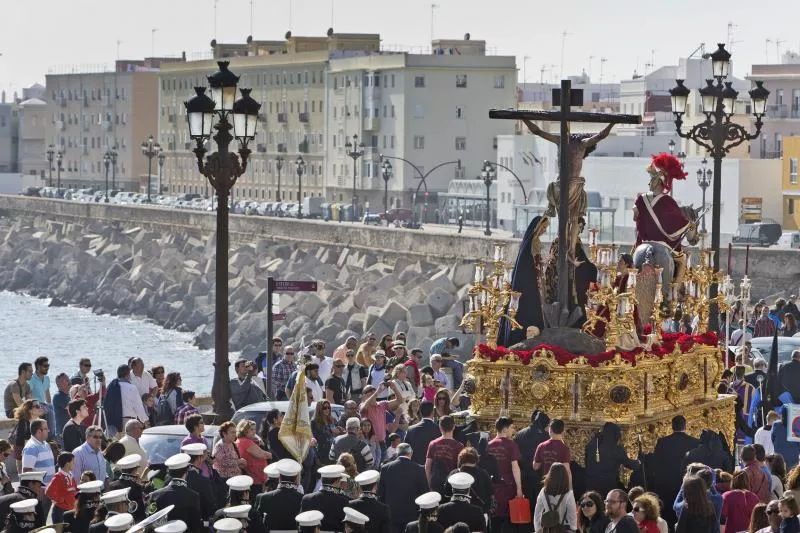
(525, 281)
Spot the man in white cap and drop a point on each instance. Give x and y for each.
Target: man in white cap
(30, 486)
(240, 513)
(460, 507)
(129, 479)
(276, 510)
(354, 522)
(23, 516)
(238, 494)
(178, 493)
(369, 504)
(115, 502)
(228, 525)
(118, 522)
(309, 521)
(173, 526)
(196, 481)
(328, 500)
(428, 505)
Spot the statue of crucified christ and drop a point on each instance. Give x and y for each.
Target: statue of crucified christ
(580, 146)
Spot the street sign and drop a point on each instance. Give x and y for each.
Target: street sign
(279, 316)
(295, 286)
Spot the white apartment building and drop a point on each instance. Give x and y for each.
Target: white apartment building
(317, 92)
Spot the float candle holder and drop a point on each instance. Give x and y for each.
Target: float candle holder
(480, 267)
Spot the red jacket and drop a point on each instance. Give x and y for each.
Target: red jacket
(62, 490)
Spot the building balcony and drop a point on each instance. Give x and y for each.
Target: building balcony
(282, 147)
(778, 111)
(62, 102)
(302, 147)
(771, 155)
(261, 148)
(283, 118)
(303, 117)
(372, 124)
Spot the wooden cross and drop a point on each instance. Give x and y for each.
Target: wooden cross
(566, 97)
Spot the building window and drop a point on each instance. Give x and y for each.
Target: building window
(790, 206)
(499, 82)
(460, 112)
(419, 81)
(392, 80)
(793, 170)
(419, 111)
(419, 142)
(461, 81)
(461, 143)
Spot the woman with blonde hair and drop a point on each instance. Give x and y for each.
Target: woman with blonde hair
(348, 485)
(645, 511)
(252, 453)
(28, 411)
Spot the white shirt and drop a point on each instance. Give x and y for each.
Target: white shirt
(325, 367)
(764, 437)
(316, 390)
(143, 384)
(132, 446)
(131, 403)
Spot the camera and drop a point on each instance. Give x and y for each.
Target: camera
(98, 373)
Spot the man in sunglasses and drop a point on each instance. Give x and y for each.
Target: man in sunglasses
(40, 390)
(81, 377)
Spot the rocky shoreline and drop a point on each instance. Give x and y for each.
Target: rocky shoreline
(169, 279)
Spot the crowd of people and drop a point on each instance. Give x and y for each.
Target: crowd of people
(400, 458)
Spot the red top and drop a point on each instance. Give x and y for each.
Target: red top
(737, 506)
(549, 452)
(255, 467)
(650, 526)
(446, 451)
(659, 219)
(62, 490)
(505, 451)
(413, 364)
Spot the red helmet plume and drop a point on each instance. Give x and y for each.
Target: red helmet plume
(666, 167)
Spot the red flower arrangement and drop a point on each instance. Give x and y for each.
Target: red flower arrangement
(668, 343)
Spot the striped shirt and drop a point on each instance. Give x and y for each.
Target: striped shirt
(38, 456)
(438, 346)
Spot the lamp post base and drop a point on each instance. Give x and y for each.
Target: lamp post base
(487, 232)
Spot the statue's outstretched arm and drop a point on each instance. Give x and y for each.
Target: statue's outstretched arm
(536, 130)
(591, 141)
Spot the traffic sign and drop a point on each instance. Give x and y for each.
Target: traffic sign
(295, 286)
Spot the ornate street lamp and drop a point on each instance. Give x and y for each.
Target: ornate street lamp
(150, 149)
(279, 165)
(51, 152)
(59, 167)
(355, 150)
(106, 163)
(704, 181)
(161, 158)
(488, 173)
(300, 165)
(386, 171)
(112, 154)
(222, 169)
(718, 135)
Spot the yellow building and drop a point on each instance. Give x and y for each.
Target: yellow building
(791, 186)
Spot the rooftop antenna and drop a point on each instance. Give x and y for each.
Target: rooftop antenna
(118, 43)
(766, 50)
(215, 19)
(251, 17)
(525, 69)
(333, 10)
(591, 58)
(731, 42)
(564, 35)
(434, 7)
(602, 64)
(778, 43)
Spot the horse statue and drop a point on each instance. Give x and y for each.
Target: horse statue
(651, 255)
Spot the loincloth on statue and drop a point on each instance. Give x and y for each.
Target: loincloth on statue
(577, 200)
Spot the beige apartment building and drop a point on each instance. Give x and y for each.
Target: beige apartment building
(91, 112)
(317, 92)
(783, 105)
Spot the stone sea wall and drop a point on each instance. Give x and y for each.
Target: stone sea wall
(168, 276)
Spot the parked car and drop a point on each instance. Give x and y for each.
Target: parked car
(758, 234)
(786, 345)
(162, 442)
(312, 206)
(403, 214)
(373, 219)
(258, 411)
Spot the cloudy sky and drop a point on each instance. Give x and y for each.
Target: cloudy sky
(57, 34)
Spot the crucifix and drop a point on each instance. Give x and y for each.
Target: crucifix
(568, 192)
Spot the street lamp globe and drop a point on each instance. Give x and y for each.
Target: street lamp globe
(387, 169)
(679, 96)
(720, 61)
(245, 117)
(300, 165)
(222, 85)
(671, 147)
(759, 98)
(200, 115)
(729, 95)
(708, 97)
